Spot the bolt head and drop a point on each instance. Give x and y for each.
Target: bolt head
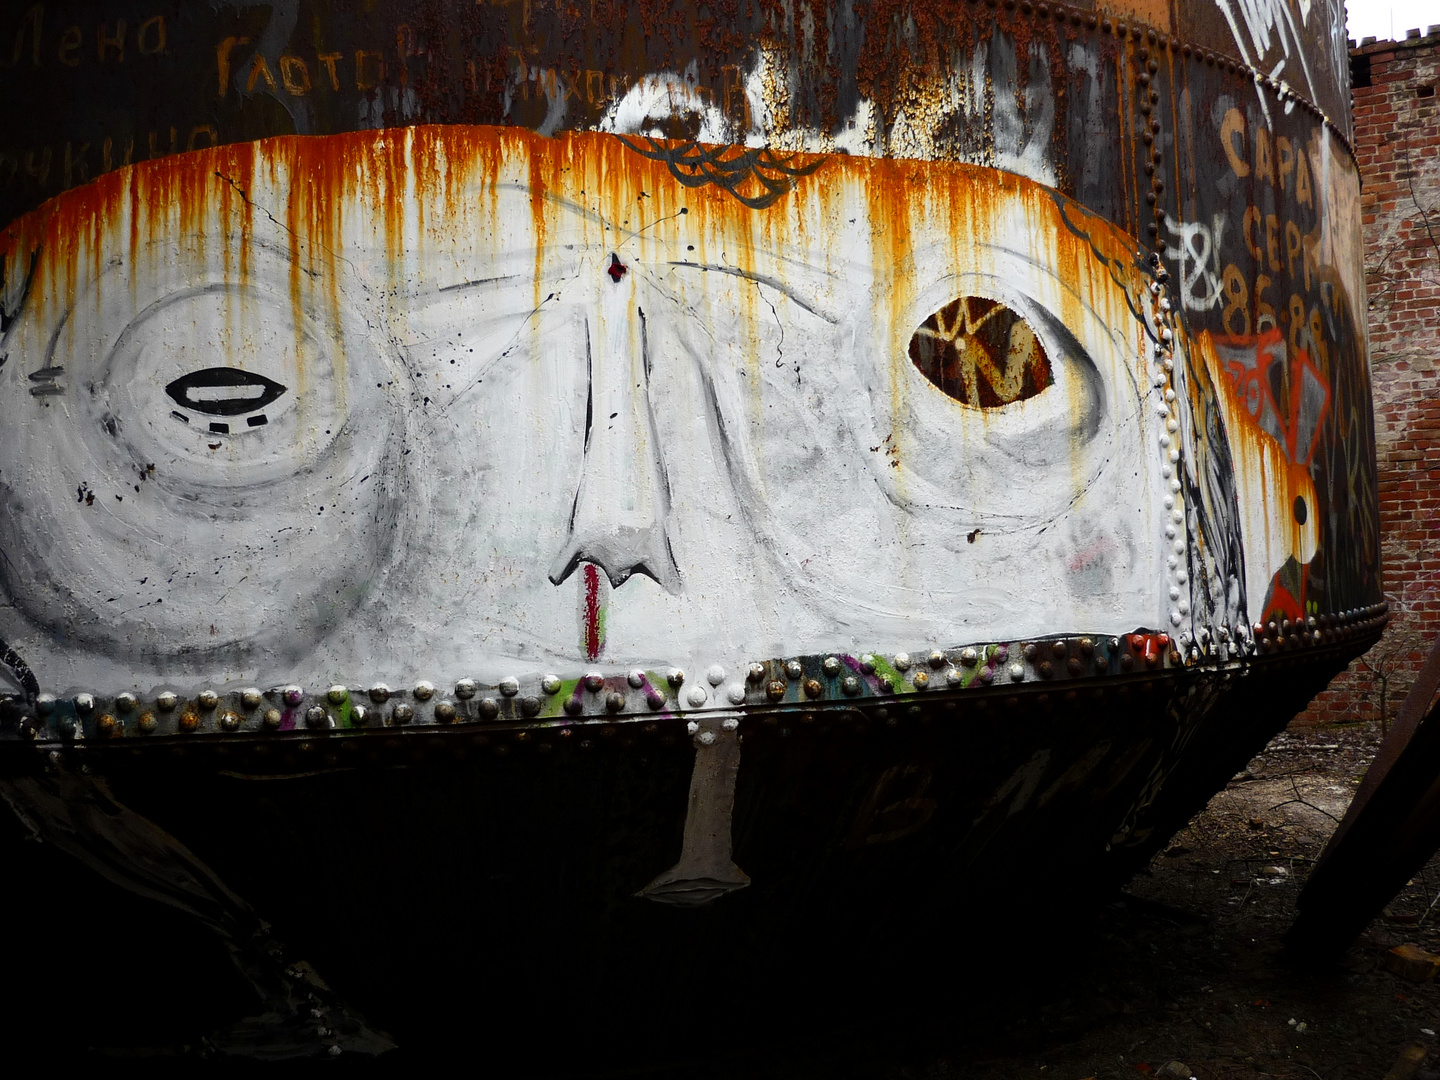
(336, 695)
(465, 689)
(424, 691)
(126, 702)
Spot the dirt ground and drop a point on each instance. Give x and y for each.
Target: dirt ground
(1186, 967)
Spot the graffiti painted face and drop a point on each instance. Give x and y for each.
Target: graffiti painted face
(332, 406)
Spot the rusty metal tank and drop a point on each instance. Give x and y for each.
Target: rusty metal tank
(506, 495)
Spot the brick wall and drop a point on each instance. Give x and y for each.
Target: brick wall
(1397, 143)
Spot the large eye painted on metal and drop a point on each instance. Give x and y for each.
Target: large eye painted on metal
(981, 353)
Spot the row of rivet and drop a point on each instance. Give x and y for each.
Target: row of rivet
(1078, 17)
(1174, 530)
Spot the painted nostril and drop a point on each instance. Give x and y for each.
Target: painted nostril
(617, 268)
(1302, 512)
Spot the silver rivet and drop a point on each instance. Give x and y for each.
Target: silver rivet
(84, 703)
(167, 700)
(379, 693)
(615, 701)
(831, 666)
(850, 686)
(489, 708)
(402, 713)
(793, 669)
(126, 702)
(316, 716)
(465, 689)
(969, 657)
(272, 718)
(902, 661)
(676, 677)
(358, 715)
(509, 686)
(208, 699)
(730, 724)
(250, 697)
(716, 675)
(953, 676)
(937, 659)
(736, 693)
(336, 695)
(424, 691)
(636, 678)
(530, 705)
(1017, 672)
(229, 721)
(696, 696)
(445, 711)
(550, 684)
(756, 673)
(706, 738)
(292, 695)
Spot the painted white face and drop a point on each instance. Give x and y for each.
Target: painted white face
(541, 406)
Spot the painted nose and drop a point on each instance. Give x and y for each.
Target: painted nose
(622, 498)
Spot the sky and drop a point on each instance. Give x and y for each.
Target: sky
(1390, 18)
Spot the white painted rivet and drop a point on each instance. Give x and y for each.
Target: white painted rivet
(1179, 516)
(696, 696)
(706, 738)
(730, 724)
(953, 676)
(692, 727)
(1179, 545)
(424, 691)
(716, 675)
(1164, 440)
(1175, 483)
(736, 693)
(1169, 395)
(1174, 593)
(1184, 606)
(379, 693)
(509, 686)
(1172, 425)
(1174, 455)
(636, 678)
(1174, 618)
(550, 684)
(1170, 531)
(465, 689)
(1017, 672)
(793, 669)
(969, 657)
(902, 661)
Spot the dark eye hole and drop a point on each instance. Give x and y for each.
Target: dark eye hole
(981, 353)
(220, 391)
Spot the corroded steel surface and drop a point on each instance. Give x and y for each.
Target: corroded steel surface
(961, 406)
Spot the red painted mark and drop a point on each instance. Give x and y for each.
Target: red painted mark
(592, 603)
(617, 268)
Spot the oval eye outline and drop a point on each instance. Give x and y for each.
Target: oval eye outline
(980, 352)
(205, 391)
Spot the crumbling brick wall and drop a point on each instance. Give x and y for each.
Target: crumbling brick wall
(1397, 144)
